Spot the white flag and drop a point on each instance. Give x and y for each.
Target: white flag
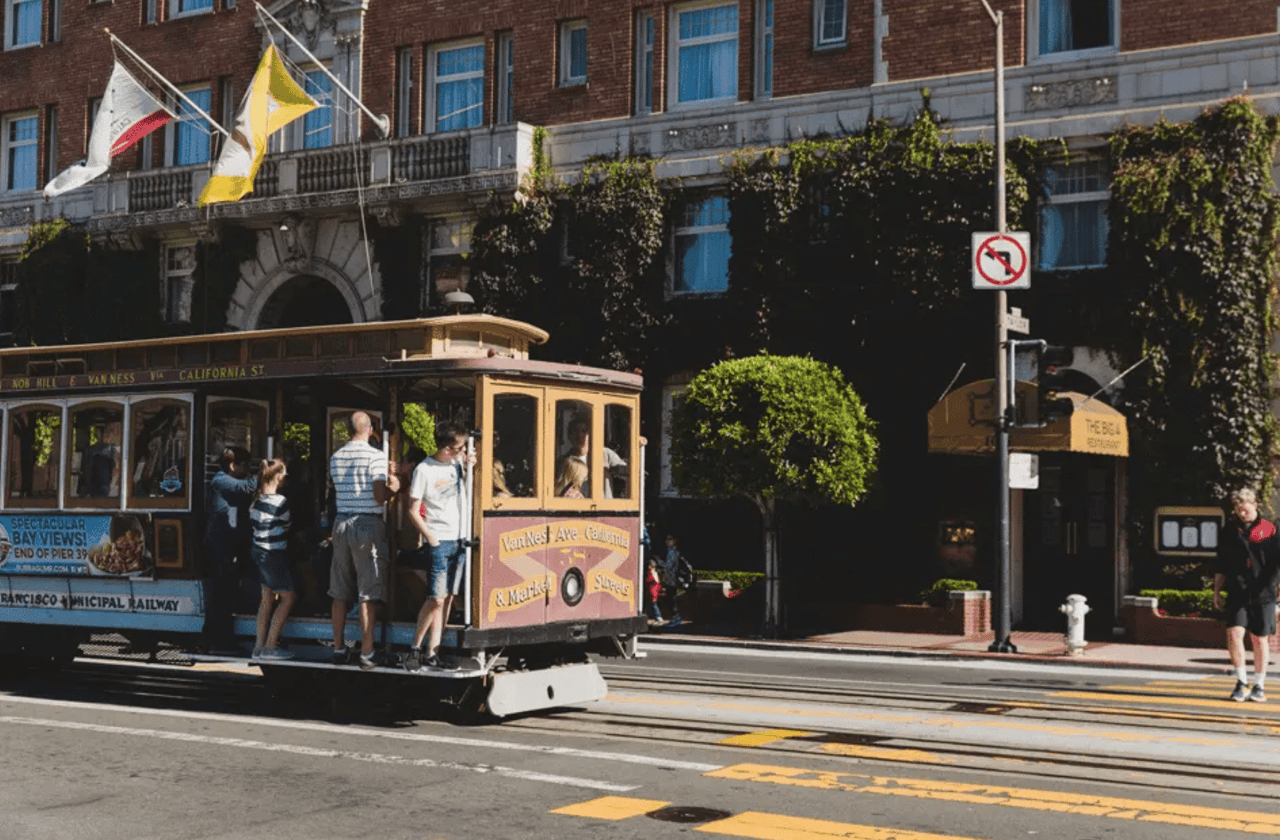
(127, 114)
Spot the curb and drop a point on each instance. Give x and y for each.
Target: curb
(912, 653)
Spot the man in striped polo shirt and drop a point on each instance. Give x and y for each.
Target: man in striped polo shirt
(362, 485)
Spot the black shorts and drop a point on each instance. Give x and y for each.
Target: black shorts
(1258, 619)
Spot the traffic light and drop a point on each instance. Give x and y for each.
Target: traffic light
(1051, 382)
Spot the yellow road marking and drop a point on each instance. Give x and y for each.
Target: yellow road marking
(1172, 701)
(1197, 691)
(957, 724)
(1252, 822)
(759, 739)
(777, 827)
(612, 808)
(1147, 714)
(888, 753)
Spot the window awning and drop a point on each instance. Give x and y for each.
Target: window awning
(963, 424)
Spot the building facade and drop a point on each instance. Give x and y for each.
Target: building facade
(464, 84)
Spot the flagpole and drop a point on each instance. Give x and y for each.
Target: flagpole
(165, 82)
(382, 121)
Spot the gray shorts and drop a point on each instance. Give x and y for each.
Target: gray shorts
(360, 559)
(1258, 619)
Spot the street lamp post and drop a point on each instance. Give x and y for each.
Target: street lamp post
(1002, 642)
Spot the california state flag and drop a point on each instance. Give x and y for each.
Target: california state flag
(127, 114)
(273, 101)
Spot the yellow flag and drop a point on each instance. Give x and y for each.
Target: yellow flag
(273, 101)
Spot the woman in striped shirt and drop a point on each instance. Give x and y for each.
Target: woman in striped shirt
(270, 518)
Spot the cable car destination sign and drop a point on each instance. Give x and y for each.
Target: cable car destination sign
(1002, 260)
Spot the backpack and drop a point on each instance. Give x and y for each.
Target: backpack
(685, 577)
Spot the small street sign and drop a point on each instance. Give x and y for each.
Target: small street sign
(1014, 322)
(1024, 471)
(1002, 260)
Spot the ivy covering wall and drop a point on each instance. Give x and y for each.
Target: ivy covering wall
(1192, 256)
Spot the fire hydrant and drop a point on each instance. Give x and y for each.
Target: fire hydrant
(1075, 609)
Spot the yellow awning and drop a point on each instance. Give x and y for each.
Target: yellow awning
(962, 424)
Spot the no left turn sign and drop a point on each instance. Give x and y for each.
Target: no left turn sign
(1001, 260)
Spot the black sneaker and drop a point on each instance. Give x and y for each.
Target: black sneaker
(413, 659)
(1257, 695)
(367, 663)
(433, 661)
(342, 656)
(1241, 692)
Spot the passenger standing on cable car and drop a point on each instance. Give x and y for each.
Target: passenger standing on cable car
(363, 483)
(437, 485)
(226, 536)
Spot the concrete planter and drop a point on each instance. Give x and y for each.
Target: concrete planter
(1145, 625)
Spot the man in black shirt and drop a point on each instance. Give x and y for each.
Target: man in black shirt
(1249, 569)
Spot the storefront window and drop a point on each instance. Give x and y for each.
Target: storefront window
(160, 438)
(95, 440)
(35, 456)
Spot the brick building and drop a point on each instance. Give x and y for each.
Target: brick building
(464, 84)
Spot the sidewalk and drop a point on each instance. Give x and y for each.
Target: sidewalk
(1032, 647)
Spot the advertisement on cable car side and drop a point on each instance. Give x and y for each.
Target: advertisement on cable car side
(70, 544)
(535, 569)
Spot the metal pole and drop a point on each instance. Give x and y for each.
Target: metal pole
(1003, 614)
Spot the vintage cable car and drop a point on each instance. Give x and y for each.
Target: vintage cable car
(108, 450)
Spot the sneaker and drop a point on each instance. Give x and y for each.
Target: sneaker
(433, 661)
(257, 652)
(1241, 692)
(675, 622)
(413, 659)
(342, 656)
(367, 663)
(275, 653)
(1257, 695)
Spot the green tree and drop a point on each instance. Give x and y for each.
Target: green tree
(769, 428)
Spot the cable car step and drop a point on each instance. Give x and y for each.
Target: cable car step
(513, 692)
(468, 671)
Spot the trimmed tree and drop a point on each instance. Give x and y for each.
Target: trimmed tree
(769, 428)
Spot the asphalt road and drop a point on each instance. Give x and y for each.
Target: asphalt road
(748, 744)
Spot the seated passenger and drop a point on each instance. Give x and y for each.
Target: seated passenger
(580, 450)
(572, 478)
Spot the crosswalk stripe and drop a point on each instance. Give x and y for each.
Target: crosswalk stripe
(759, 739)
(760, 826)
(612, 808)
(1252, 822)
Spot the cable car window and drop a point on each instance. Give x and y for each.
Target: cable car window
(515, 445)
(35, 456)
(617, 448)
(573, 442)
(234, 423)
(95, 438)
(159, 451)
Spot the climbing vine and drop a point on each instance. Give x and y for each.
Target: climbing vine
(579, 259)
(1194, 221)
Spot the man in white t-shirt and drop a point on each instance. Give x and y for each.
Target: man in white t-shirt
(436, 486)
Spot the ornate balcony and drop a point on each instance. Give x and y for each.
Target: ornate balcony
(411, 170)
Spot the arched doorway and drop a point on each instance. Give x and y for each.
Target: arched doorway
(304, 301)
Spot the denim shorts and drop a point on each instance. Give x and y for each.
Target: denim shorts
(445, 576)
(273, 569)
